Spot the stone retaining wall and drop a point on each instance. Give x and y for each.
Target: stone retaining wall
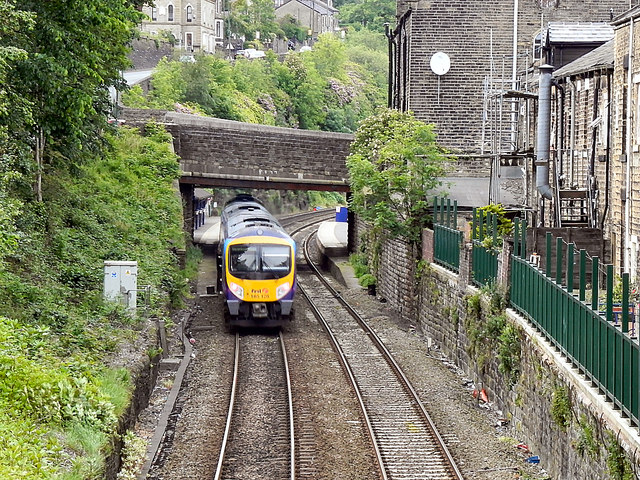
(549, 405)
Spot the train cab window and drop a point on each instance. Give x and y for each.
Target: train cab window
(259, 262)
(244, 258)
(275, 258)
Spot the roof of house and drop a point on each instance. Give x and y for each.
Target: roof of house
(597, 59)
(578, 32)
(317, 5)
(626, 16)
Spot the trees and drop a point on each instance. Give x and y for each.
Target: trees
(395, 163)
(254, 20)
(73, 54)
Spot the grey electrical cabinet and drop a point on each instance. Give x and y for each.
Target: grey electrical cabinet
(121, 282)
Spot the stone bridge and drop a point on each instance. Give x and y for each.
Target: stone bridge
(224, 153)
(228, 154)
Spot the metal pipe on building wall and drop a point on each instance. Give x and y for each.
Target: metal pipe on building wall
(560, 131)
(572, 134)
(514, 72)
(608, 154)
(514, 76)
(627, 199)
(387, 32)
(544, 133)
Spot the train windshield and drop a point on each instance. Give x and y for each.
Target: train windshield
(259, 261)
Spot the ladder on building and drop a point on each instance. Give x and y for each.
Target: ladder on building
(500, 118)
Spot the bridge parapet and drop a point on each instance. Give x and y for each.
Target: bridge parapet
(221, 152)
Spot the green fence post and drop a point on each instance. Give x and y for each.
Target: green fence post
(494, 228)
(583, 274)
(523, 243)
(549, 256)
(454, 220)
(448, 224)
(559, 261)
(593, 364)
(474, 224)
(609, 293)
(595, 284)
(570, 251)
(624, 315)
(516, 238)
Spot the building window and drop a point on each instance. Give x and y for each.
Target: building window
(189, 42)
(170, 13)
(218, 30)
(537, 47)
(154, 14)
(189, 13)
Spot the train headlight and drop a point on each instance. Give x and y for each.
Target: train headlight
(282, 290)
(237, 290)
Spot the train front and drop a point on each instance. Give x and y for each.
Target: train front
(259, 279)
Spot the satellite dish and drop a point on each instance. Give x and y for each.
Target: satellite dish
(440, 63)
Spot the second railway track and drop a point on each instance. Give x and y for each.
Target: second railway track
(406, 440)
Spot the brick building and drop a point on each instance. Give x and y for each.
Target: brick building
(624, 216)
(479, 37)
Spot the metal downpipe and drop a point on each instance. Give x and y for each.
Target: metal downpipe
(544, 132)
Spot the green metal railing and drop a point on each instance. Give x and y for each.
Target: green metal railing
(591, 340)
(484, 236)
(446, 237)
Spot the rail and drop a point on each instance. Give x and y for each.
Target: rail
(388, 357)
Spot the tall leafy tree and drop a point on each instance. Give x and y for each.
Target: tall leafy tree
(250, 19)
(372, 14)
(394, 165)
(75, 52)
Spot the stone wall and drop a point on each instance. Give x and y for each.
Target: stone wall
(396, 276)
(571, 438)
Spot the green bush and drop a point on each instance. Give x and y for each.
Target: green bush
(367, 280)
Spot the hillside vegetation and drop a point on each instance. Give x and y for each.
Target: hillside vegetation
(332, 87)
(73, 193)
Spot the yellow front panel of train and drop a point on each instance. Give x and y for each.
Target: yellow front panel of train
(259, 256)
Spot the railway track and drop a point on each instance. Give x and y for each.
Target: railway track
(305, 218)
(258, 440)
(406, 441)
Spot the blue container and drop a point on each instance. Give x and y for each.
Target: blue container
(341, 214)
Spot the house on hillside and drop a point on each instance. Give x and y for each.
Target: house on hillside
(197, 25)
(317, 16)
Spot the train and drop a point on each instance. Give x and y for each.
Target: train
(256, 266)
